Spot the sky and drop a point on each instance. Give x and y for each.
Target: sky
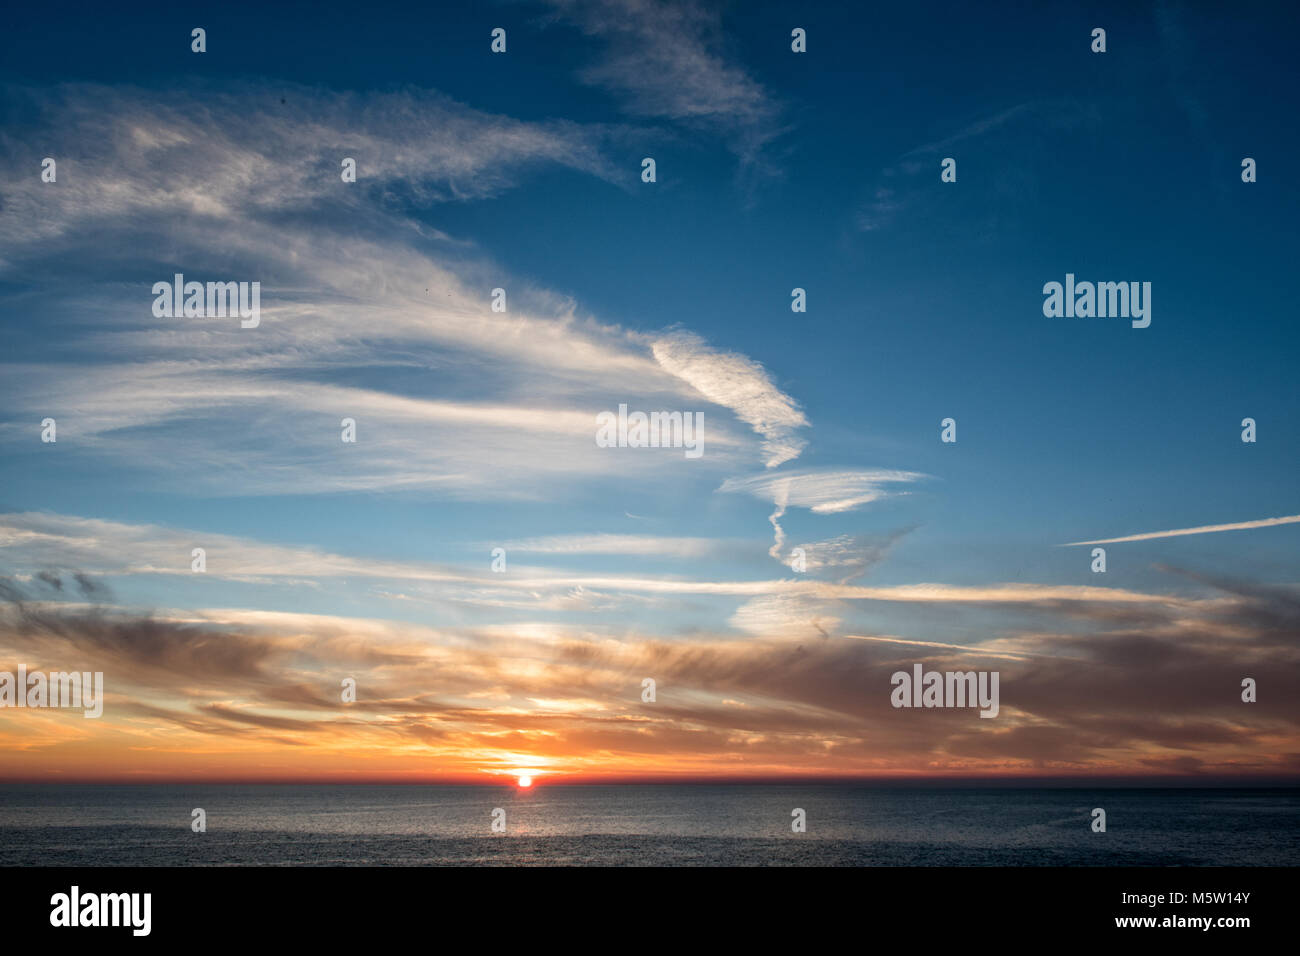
(476, 429)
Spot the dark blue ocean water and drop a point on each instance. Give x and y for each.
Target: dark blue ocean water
(645, 826)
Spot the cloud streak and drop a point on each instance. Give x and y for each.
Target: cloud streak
(666, 60)
(33, 542)
(822, 491)
(1203, 529)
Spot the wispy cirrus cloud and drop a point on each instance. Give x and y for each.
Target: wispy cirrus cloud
(787, 615)
(740, 384)
(238, 153)
(668, 60)
(907, 184)
(850, 555)
(622, 544)
(356, 289)
(823, 491)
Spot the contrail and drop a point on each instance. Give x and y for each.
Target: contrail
(1204, 529)
(779, 538)
(780, 498)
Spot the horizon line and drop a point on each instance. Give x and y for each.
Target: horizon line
(1080, 781)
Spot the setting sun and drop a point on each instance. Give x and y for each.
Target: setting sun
(525, 781)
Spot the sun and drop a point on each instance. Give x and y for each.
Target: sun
(525, 781)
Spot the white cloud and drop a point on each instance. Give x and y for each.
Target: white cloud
(851, 554)
(786, 615)
(623, 544)
(822, 491)
(668, 60)
(741, 384)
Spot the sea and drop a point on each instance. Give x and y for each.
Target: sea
(644, 825)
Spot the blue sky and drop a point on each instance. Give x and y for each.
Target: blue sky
(775, 170)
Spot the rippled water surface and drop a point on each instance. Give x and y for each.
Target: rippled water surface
(644, 825)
